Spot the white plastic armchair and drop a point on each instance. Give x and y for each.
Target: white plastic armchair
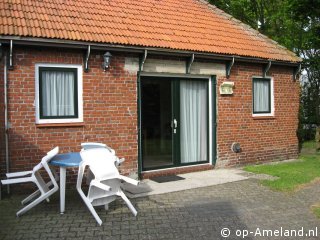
(106, 185)
(90, 145)
(44, 191)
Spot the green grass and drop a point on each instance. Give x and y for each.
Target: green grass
(316, 211)
(292, 175)
(309, 145)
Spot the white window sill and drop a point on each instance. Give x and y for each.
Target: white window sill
(263, 116)
(45, 125)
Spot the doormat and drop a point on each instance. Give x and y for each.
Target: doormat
(169, 178)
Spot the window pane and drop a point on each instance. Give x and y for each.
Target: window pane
(58, 94)
(261, 93)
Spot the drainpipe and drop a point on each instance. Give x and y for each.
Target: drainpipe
(6, 125)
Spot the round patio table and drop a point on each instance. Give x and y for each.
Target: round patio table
(64, 161)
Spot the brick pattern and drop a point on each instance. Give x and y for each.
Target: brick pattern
(110, 114)
(265, 139)
(110, 110)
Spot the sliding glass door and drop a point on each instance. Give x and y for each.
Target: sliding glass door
(174, 122)
(156, 118)
(193, 121)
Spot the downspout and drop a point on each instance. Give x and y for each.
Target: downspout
(6, 125)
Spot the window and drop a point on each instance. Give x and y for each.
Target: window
(262, 96)
(59, 93)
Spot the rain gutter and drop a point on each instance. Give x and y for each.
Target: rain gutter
(6, 123)
(27, 41)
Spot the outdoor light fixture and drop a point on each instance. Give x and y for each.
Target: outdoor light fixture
(106, 60)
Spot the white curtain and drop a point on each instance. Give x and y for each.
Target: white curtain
(58, 93)
(193, 120)
(261, 96)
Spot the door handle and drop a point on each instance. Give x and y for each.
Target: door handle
(175, 123)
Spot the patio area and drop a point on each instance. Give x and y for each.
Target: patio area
(199, 213)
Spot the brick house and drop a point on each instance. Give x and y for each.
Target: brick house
(188, 87)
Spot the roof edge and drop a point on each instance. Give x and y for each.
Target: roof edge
(29, 41)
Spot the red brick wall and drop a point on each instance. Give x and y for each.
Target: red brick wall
(262, 140)
(110, 110)
(110, 113)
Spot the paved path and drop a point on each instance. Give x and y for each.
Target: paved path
(190, 181)
(198, 213)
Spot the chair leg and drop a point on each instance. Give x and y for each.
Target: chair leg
(33, 195)
(36, 201)
(129, 204)
(30, 197)
(94, 213)
(106, 207)
(41, 184)
(54, 173)
(90, 207)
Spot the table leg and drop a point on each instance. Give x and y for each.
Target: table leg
(62, 189)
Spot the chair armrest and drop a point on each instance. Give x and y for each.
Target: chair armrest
(120, 161)
(129, 180)
(111, 150)
(18, 174)
(100, 185)
(17, 180)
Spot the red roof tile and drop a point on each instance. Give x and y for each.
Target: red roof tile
(191, 25)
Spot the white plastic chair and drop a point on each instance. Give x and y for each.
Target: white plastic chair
(106, 185)
(90, 145)
(34, 176)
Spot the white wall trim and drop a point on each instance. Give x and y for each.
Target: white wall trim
(272, 98)
(80, 94)
(153, 74)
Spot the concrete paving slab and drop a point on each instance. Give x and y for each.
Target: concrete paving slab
(192, 180)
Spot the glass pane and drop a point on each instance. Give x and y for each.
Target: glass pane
(57, 93)
(156, 114)
(194, 121)
(261, 96)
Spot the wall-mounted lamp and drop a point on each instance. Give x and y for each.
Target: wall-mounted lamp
(106, 60)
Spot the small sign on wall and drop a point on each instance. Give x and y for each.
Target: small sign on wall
(226, 88)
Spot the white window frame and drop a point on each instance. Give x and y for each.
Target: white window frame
(80, 94)
(271, 114)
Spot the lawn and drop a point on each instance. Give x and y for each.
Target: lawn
(316, 210)
(309, 145)
(292, 175)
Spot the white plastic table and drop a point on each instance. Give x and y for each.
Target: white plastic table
(64, 161)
